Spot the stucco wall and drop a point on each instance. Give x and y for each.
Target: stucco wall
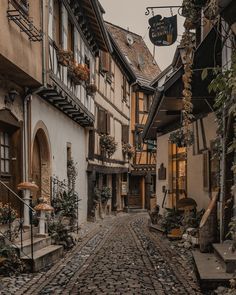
(61, 131)
(194, 166)
(162, 157)
(16, 46)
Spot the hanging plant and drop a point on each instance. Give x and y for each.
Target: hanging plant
(7, 214)
(91, 89)
(188, 44)
(192, 12)
(78, 73)
(180, 139)
(108, 145)
(64, 57)
(212, 9)
(128, 150)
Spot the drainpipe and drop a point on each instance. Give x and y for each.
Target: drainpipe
(222, 179)
(43, 42)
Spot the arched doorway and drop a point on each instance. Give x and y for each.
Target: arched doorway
(41, 164)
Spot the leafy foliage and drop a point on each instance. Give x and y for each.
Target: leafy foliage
(7, 214)
(103, 195)
(180, 139)
(10, 262)
(128, 150)
(108, 144)
(60, 233)
(172, 219)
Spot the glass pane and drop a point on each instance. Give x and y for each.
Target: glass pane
(6, 152)
(2, 138)
(2, 166)
(7, 166)
(6, 139)
(2, 152)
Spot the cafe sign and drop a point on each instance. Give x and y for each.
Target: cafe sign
(163, 31)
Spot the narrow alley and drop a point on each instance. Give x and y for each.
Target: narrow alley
(117, 256)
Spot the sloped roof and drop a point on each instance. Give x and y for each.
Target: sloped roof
(137, 54)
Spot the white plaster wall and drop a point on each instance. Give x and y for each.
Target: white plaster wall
(162, 157)
(61, 130)
(194, 167)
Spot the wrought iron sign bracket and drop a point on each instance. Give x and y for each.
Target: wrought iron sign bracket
(24, 23)
(151, 8)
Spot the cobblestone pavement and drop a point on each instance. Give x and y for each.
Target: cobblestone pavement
(120, 256)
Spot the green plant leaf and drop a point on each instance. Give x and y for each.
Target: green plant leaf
(204, 74)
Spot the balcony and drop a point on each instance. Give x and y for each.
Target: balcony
(65, 94)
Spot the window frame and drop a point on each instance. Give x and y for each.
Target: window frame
(8, 148)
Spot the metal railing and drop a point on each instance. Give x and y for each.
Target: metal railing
(14, 204)
(57, 189)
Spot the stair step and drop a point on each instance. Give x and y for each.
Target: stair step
(26, 234)
(38, 243)
(227, 257)
(44, 257)
(210, 271)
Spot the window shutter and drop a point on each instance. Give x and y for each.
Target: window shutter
(91, 144)
(125, 133)
(104, 62)
(108, 123)
(101, 122)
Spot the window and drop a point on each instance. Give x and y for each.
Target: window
(103, 122)
(125, 133)
(151, 145)
(147, 102)
(124, 89)
(5, 152)
(104, 62)
(57, 22)
(70, 37)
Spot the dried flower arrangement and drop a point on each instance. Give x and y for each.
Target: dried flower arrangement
(64, 57)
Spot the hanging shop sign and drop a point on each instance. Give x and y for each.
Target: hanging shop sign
(163, 31)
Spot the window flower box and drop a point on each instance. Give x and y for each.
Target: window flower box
(64, 57)
(91, 89)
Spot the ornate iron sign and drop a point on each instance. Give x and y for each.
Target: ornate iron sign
(163, 31)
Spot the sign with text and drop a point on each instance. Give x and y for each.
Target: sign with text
(163, 31)
(124, 188)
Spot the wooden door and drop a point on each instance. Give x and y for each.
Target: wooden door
(36, 167)
(135, 189)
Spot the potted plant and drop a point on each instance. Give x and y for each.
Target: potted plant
(180, 139)
(64, 57)
(91, 89)
(108, 145)
(7, 214)
(128, 150)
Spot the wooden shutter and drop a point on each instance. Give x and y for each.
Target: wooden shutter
(104, 62)
(102, 121)
(91, 144)
(125, 133)
(108, 123)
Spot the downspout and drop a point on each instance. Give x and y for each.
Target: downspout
(43, 42)
(222, 179)
(28, 97)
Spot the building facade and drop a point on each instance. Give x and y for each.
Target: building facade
(142, 173)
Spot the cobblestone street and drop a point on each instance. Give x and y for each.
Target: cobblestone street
(117, 256)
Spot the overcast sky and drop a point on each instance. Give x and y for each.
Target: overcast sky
(131, 14)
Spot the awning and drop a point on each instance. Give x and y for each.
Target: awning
(165, 114)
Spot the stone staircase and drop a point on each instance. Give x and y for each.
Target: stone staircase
(44, 252)
(217, 268)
